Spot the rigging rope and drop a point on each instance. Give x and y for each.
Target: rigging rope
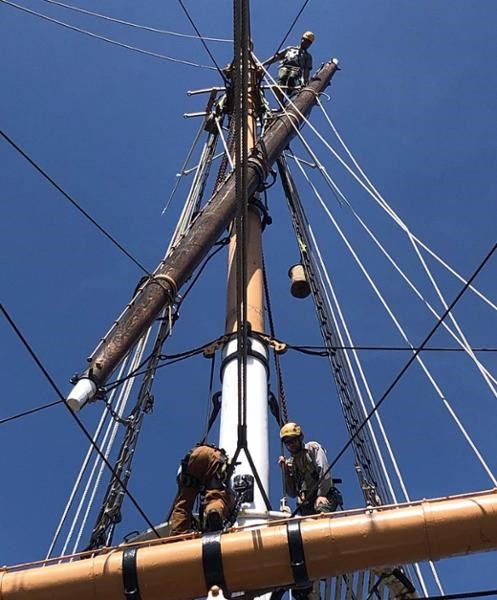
(105, 39)
(76, 485)
(107, 443)
(382, 202)
(404, 369)
(346, 390)
(292, 25)
(392, 261)
(277, 363)
(202, 39)
(135, 25)
(110, 511)
(72, 201)
(379, 420)
(180, 175)
(29, 412)
(370, 189)
(373, 191)
(400, 329)
(73, 415)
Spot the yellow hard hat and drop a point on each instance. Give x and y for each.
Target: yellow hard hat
(291, 430)
(308, 35)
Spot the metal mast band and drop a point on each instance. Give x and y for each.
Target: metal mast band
(212, 560)
(130, 575)
(297, 557)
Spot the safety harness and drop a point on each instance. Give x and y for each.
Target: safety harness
(304, 497)
(217, 482)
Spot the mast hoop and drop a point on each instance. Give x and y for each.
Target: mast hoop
(173, 291)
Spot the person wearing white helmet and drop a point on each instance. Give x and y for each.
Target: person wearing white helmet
(306, 473)
(295, 67)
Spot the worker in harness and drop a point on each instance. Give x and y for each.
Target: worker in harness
(295, 67)
(203, 472)
(306, 473)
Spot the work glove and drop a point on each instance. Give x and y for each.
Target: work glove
(322, 505)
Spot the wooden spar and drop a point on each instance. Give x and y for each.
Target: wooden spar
(258, 559)
(161, 289)
(253, 254)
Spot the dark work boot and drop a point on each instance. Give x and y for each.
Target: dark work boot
(213, 521)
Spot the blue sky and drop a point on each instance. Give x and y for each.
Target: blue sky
(415, 101)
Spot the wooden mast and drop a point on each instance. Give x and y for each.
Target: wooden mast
(169, 277)
(244, 408)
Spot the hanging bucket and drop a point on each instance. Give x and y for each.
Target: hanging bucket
(300, 286)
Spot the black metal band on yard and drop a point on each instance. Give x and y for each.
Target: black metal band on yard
(297, 557)
(212, 560)
(130, 574)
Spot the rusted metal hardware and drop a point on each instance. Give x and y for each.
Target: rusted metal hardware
(278, 346)
(211, 349)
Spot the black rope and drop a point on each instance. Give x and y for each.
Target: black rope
(74, 416)
(74, 203)
(323, 351)
(118, 382)
(29, 412)
(241, 38)
(292, 25)
(461, 595)
(203, 41)
(209, 396)
(221, 245)
(401, 372)
(277, 364)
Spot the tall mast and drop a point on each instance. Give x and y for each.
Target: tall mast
(164, 283)
(244, 417)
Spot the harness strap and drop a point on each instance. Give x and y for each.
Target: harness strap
(130, 575)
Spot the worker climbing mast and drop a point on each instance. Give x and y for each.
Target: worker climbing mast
(244, 417)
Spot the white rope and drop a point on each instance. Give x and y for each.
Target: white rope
(221, 135)
(368, 187)
(107, 444)
(373, 191)
(199, 164)
(402, 332)
(106, 39)
(323, 171)
(135, 25)
(180, 175)
(84, 465)
(460, 340)
(379, 421)
(463, 341)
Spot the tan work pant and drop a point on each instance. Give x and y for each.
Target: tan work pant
(203, 466)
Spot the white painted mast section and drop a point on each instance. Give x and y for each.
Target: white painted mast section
(256, 374)
(257, 419)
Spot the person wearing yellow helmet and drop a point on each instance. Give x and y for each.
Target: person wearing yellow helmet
(306, 473)
(306, 477)
(295, 66)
